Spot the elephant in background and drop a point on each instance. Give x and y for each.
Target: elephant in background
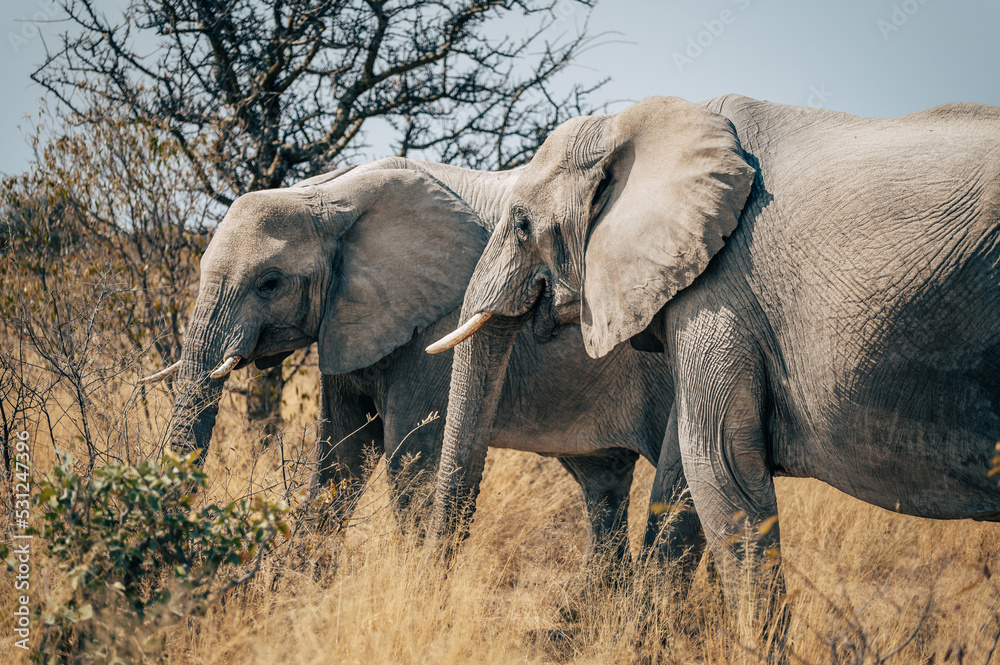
(847, 330)
(371, 263)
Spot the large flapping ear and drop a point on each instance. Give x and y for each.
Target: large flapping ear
(673, 183)
(403, 260)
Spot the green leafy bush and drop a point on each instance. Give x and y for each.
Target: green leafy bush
(135, 553)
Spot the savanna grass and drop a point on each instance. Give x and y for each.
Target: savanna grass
(863, 584)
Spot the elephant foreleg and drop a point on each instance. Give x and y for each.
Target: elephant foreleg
(605, 481)
(411, 465)
(345, 444)
(673, 530)
(721, 431)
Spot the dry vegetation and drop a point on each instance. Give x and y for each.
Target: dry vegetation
(862, 580)
(97, 261)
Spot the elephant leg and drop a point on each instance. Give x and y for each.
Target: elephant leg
(605, 480)
(721, 415)
(673, 531)
(412, 468)
(345, 443)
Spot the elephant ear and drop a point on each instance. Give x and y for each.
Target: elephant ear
(403, 260)
(326, 177)
(673, 183)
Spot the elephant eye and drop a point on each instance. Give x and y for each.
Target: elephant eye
(522, 224)
(269, 284)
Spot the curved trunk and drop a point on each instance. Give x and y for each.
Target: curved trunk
(477, 378)
(197, 395)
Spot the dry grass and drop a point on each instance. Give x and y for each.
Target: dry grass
(859, 578)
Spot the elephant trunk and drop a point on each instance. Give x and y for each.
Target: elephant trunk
(479, 370)
(197, 394)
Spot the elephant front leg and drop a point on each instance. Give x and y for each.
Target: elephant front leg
(720, 422)
(673, 530)
(412, 456)
(345, 445)
(605, 481)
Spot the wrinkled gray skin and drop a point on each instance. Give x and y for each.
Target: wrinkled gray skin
(848, 329)
(372, 264)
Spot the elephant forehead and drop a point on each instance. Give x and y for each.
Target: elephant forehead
(555, 186)
(235, 251)
(261, 227)
(549, 195)
(278, 213)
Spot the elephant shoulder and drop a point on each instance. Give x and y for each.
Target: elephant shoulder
(725, 103)
(975, 126)
(960, 111)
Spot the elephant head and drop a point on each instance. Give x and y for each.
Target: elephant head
(612, 217)
(357, 262)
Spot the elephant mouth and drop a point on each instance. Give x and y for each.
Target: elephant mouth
(553, 311)
(273, 346)
(265, 361)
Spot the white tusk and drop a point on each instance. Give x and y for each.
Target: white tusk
(470, 328)
(162, 374)
(226, 367)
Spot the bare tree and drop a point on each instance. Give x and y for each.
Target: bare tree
(260, 93)
(111, 195)
(66, 359)
(18, 399)
(99, 260)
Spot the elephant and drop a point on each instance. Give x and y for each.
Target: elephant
(826, 288)
(371, 263)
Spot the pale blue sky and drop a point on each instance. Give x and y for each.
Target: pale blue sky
(870, 57)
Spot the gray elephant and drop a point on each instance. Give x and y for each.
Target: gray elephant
(372, 263)
(848, 329)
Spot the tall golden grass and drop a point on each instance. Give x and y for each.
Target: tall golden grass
(862, 581)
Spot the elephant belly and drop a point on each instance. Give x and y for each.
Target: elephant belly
(912, 468)
(911, 433)
(558, 401)
(888, 381)
(560, 442)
